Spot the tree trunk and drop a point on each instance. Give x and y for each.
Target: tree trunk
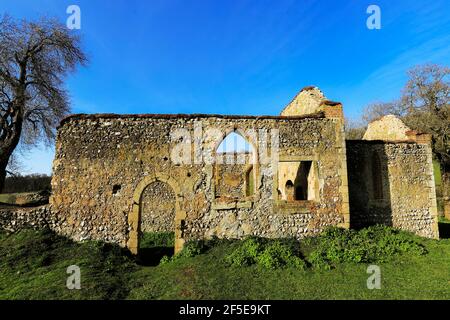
(14, 129)
(6, 151)
(3, 165)
(8, 146)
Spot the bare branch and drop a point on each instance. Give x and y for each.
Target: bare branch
(35, 58)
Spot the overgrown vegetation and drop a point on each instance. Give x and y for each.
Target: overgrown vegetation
(157, 239)
(375, 244)
(33, 265)
(271, 254)
(191, 249)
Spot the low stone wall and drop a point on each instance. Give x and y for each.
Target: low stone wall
(15, 218)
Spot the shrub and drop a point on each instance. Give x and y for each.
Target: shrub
(165, 260)
(27, 183)
(190, 249)
(271, 254)
(246, 253)
(277, 255)
(157, 239)
(373, 244)
(318, 259)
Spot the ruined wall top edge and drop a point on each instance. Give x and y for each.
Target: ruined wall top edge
(107, 116)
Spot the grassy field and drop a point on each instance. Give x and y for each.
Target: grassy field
(22, 199)
(33, 266)
(9, 198)
(437, 173)
(439, 186)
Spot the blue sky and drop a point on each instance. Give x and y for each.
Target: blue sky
(240, 57)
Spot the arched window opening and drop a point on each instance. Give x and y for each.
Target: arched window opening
(290, 191)
(234, 143)
(235, 174)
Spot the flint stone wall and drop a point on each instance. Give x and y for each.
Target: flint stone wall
(230, 181)
(96, 153)
(408, 198)
(15, 218)
(158, 208)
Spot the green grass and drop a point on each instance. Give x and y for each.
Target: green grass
(157, 239)
(22, 199)
(437, 173)
(33, 266)
(443, 220)
(439, 186)
(8, 198)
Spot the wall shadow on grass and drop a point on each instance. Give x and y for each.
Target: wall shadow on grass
(155, 245)
(152, 256)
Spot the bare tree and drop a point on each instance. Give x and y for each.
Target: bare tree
(354, 129)
(424, 106)
(377, 110)
(14, 165)
(35, 57)
(426, 97)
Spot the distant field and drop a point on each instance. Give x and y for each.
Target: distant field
(33, 266)
(22, 199)
(9, 198)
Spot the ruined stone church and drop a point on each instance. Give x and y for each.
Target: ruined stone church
(114, 176)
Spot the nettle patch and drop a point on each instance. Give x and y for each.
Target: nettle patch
(369, 245)
(271, 254)
(375, 244)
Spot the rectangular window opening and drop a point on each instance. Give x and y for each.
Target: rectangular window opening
(298, 181)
